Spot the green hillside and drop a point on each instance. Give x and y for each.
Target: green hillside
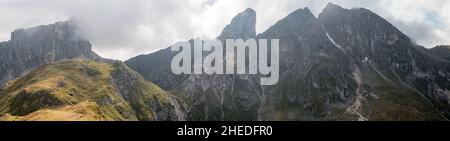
(86, 90)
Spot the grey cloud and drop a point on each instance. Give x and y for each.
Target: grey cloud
(121, 29)
(418, 31)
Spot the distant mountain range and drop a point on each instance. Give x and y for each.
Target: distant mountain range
(345, 64)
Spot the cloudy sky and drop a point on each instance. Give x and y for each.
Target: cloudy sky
(121, 29)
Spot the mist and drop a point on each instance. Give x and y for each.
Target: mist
(121, 29)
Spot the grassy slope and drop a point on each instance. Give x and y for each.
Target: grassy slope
(74, 90)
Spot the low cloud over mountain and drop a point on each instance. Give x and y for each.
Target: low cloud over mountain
(121, 29)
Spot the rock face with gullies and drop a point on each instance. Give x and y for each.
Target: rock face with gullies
(210, 97)
(344, 65)
(32, 47)
(366, 37)
(156, 66)
(79, 89)
(222, 97)
(320, 81)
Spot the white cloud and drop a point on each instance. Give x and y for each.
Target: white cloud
(121, 29)
(423, 20)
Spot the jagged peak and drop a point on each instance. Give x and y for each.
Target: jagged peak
(302, 12)
(331, 9)
(296, 21)
(249, 11)
(243, 25)
(332, 6)
(336, 13)
(306, 9)
(334, 9)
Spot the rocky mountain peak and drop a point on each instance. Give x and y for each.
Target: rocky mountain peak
(332, 7)
(362, 33)
(241, 26)
(300, 17)
(304, 14)
(297, 23)
(358, 20)
(65, 30)
(348, 64)
(40, 45)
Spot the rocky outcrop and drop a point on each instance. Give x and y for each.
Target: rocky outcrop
(32, 47)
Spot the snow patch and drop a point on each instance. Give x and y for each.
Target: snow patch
(365, 60)
(332, 41)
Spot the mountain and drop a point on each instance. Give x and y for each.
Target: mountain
(365, 36)
(241, 26)
(320, 80)
(155, 67)
(347, 64)
(205, 94)
(79, 89)
(442, 51)
(32, 47)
